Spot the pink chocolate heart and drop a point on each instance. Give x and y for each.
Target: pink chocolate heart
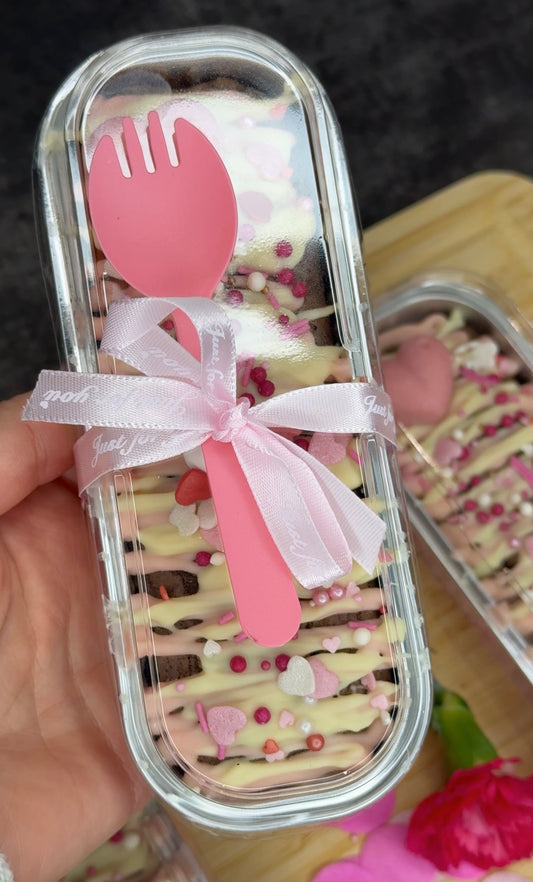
(224, 722)
(326, 682)
(419, 380)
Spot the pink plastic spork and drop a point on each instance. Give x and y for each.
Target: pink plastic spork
(171, 233)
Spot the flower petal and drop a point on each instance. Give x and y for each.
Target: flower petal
(367, 819)
(386, 856)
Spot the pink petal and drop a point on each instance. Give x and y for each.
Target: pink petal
(344, 871)
(367, 819)
(386, 856)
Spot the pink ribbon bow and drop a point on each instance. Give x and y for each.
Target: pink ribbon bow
(181, 402)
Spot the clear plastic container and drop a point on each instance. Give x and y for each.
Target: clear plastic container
(147, 849)
(234, 734)
(468, 473)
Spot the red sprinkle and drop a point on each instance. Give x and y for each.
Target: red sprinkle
(249, 396)
(238, 664)
(258, 374)
(465, 453)
(520, 415)
(282, 660)
(270, 746)
(490, 431)
(497, 509)
(286, 276)
(283, 248)
(504, 526)
(470, 505)
(315, 742)
(299, 289)
(475, 480)
(192, 486)
(283, 319)
(203, 558)
(302, 442)
(117, 837)
(501, 398)
(483, 517)
(266, 388)
(262, 715)
(235, 296)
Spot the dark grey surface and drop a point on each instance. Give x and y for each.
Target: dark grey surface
(426, 91)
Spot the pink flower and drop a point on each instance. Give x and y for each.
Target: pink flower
(483, 817)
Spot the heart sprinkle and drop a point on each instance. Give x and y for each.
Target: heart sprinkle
(298, 678)
(211, 648)
(331, 643)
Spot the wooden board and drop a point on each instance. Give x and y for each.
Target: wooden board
(483, 224)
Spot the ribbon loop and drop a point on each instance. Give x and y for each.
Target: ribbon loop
(319, 525)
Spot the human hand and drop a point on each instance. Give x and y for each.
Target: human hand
(67, 780)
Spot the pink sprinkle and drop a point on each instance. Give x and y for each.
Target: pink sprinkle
(299, 289)
(265, 665)
(385, 557)
(522, 469)
(297, 329)
(469, 374)
(244, 270)
(227, 617)
(273, 300)
(286, 276)
(221, 752)
(235, 297)
(370, 626)
(379, 701)
(180, 687)
(355, 456)
(202, 719)
(283, 248)
(240, 637)
(514, 542)
(504, 526)
(246, 371)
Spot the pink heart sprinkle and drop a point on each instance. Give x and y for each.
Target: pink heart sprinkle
(326, 682)
(352, 590)
(224, 721)
(272, 757)
(328, 448)
(331, 643)
(285, 719)
(256, 205)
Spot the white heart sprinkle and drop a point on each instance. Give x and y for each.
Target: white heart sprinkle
(211, 648)
(207, 514)
(185, 519)
(298, 679)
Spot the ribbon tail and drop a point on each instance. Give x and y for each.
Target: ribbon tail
(295, 511)
(362, 528)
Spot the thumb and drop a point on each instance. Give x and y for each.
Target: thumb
(32, 454)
